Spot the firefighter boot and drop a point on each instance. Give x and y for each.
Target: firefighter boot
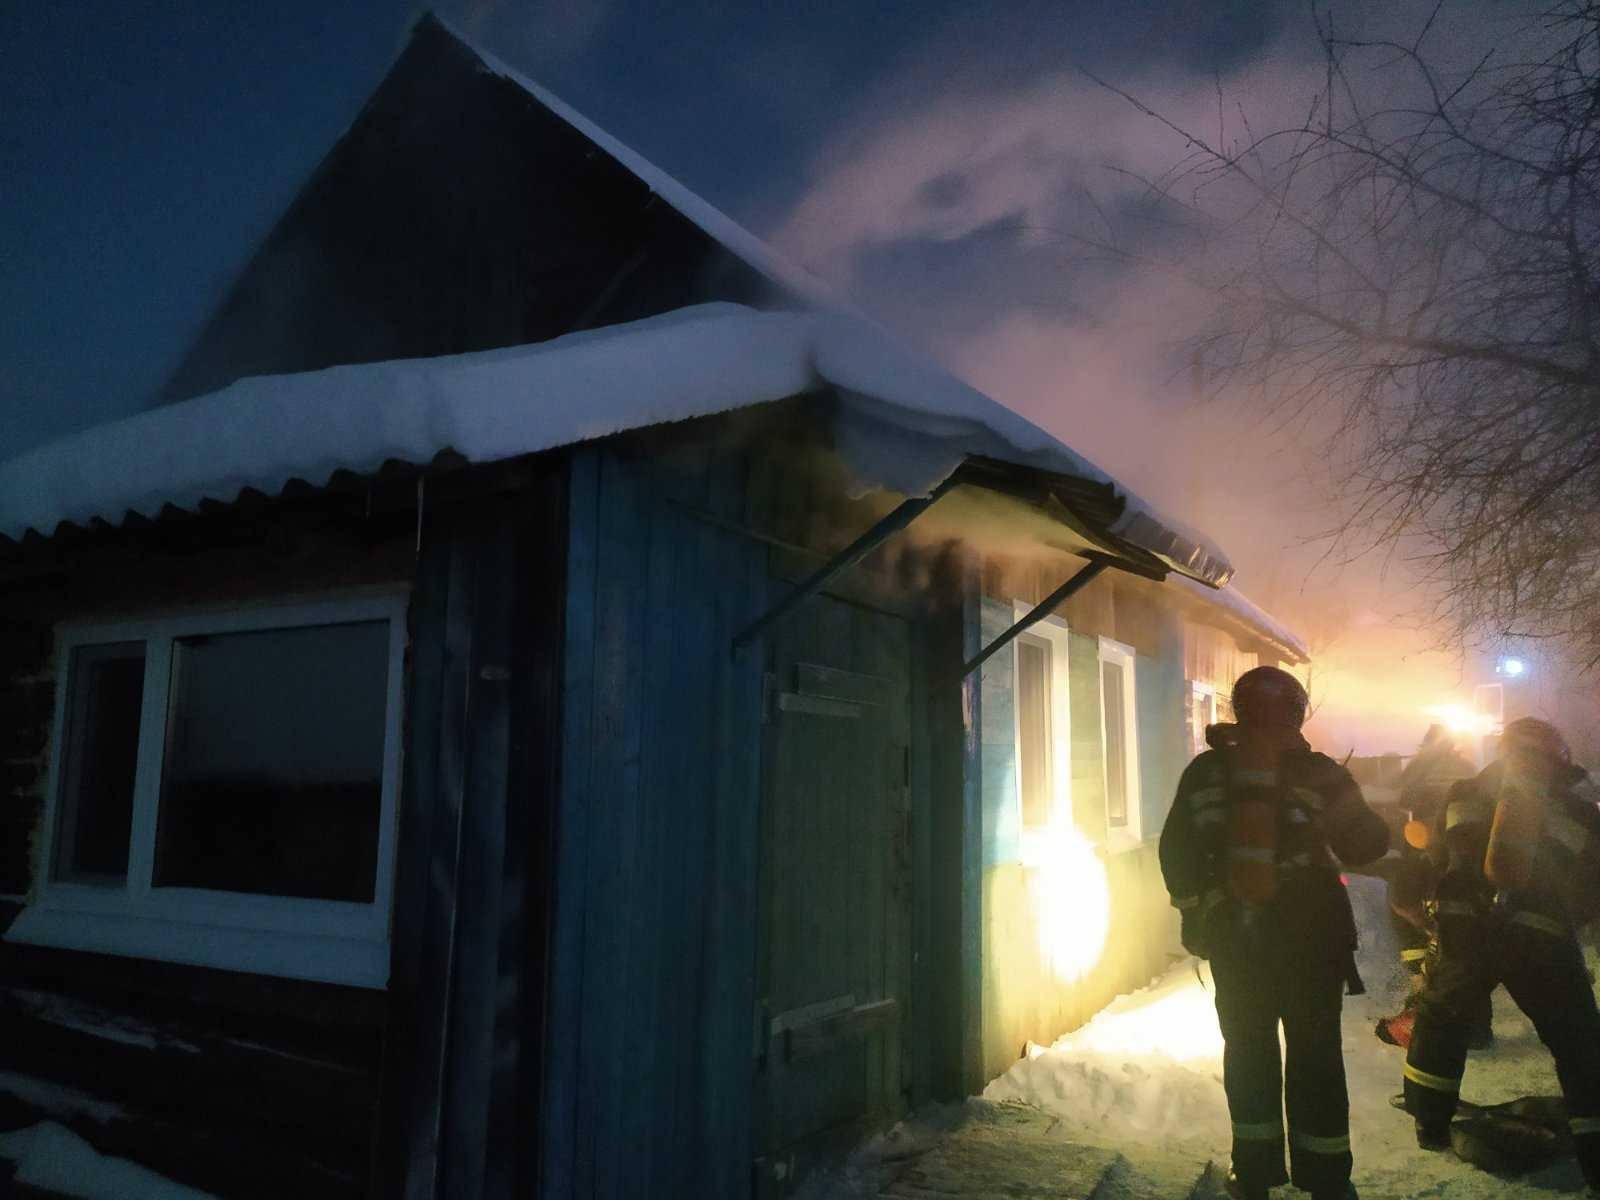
(1242, 1191)
(1433, 1136)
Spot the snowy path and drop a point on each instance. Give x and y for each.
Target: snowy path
(1145, 1075)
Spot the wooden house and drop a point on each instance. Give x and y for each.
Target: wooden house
(554, 707)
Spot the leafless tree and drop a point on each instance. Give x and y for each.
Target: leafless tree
(1414, 268)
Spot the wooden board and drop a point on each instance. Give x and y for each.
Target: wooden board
(467, 984)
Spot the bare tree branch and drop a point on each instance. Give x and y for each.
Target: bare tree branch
(1416, 267)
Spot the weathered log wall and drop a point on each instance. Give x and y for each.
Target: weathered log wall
(244, 1085)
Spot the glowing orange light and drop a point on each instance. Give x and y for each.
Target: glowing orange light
(1458, 718)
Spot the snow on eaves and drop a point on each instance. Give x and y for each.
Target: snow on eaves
(1249, 614)
(904, 424)
(264, 431)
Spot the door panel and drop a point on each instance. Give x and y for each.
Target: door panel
(836, 876)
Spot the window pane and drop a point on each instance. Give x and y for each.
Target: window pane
(101, 755)
(1033, 727)
(1113, 714)
(1199, 718)
(273, 774)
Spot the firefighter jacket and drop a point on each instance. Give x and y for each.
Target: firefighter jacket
(1322, 821)
(1563, 892)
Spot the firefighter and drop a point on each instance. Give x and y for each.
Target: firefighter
(1248, 854)
(1521, 854)
(1433, 771)
(1424, 785)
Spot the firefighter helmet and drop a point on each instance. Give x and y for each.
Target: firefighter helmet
(1535, 738)
(1270, 696)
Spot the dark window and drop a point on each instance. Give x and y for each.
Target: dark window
(1034, 730)
(273, 775)
(1114, 712)
(105, 696)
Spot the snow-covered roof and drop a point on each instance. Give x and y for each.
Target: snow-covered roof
(904, 424)
(1246, 612)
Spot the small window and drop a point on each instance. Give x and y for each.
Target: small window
(105, 700)
(224, 791)
(1043, 730)
(1202, 712)
(1120, 739)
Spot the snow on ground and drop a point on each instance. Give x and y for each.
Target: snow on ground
(1147, 1072)
(51, 1157)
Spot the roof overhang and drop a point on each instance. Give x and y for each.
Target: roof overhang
(1074, 514)
(901, 425)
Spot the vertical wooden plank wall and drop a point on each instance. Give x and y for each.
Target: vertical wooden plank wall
(723, 1138)
(407, 1151)
(1088, 747)
(565, 988)
(467, 973)
(651, 995)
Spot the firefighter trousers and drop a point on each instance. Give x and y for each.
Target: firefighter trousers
(1255, 995)
(1543, 969)
(1419, 955)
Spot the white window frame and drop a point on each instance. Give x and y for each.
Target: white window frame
(1132, 832)
(331, 941)
(1036, 840)
(1207, 692)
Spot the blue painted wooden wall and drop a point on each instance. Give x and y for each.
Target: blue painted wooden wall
(647, 1089)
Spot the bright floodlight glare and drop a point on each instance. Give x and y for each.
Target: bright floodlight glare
(1072, 904)
(1458, 718)
(1512, 667)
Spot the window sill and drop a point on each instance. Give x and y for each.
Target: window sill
(320, 958)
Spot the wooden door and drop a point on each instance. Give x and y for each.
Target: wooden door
(836, 883)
